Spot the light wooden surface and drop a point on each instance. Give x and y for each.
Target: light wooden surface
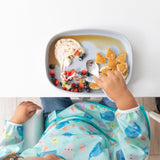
(8, 105)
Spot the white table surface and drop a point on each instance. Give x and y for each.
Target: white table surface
(26, 26)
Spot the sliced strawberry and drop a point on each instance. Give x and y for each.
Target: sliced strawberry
(76, 53)
(72, 72)
(83, 72)
(65, 72)
(76, 90)
(68, 73)
(73, 84)
(56, 82)
(65, 79)
(64, 88)
(72, 90)
(52, 73)
(81, 85)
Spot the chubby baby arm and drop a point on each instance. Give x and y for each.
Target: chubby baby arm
(11, 140)
(23, 112)
(115, 87)
(134, 132)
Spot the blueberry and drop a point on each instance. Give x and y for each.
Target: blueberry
(87, 74)
(51, 66)
(86, 86)
(72, 87)
(80, 73)
(60, 83)
(52, 76)
(76, 86)
(53, 79)
(88, 89)
(83, 55)
(80, 58)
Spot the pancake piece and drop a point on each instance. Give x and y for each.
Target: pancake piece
(100, 59)
(122, 67)
(114, 69)
(105, 69)
(112, 64)
(125, 74)
(94, 86)
(110, 54)
(121, 58)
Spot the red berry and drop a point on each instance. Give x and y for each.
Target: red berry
(64, 88)
(56, 82)
(72, 72)
(52, 73)
(76, 90)
(73, 84)
(65, 79)
(65, 72)
(76, 53)
(81, 85)
(68, 73)
(83, 72)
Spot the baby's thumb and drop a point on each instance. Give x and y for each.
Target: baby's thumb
(98, 81)
(32, 113)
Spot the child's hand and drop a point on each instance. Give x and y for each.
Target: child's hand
(23, 112)
(115, 87)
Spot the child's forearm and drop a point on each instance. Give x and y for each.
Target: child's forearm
(126, 101)
(115, 87)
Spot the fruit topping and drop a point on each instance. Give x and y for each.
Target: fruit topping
(68, 73)
(86, 83)
(76, 54)
(51, 66)
(87, 74)
(68, 86)
(53, 79)
(56, 82)
(83, 55)
(88, 89)
(52, 73)
(81, 85)
(72, 72)
(76, 90)
(76, 86)
(73, 84)
(84, 72)
(80, 58)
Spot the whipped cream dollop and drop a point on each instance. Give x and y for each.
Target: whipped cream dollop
(65, 49)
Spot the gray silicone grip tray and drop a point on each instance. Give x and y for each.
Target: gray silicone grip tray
(91, 53)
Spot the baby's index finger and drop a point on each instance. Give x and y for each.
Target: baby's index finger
(37, 107)
(110, 73)
(34, 107)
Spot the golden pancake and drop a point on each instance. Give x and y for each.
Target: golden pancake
(112, 64)
(125, 74)
(93, 86)
(110, 54)
(114, 69)
(122, 67)
(100, 59)
(121, 58)
(105, 69)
